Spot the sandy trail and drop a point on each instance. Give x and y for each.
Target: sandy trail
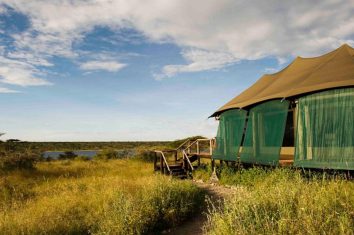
(194, 226)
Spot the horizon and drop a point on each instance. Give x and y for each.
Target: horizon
(103, 71)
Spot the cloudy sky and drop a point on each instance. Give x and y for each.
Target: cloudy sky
(147, 70)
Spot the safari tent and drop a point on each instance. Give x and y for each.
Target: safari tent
(302, 115)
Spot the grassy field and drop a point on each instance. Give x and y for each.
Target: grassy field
(98, 197)
(282, 201)
(125, 197)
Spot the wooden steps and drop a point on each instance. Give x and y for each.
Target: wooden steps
(186, 157)
(179, 168)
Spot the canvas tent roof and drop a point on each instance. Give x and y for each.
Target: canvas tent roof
(303, 75)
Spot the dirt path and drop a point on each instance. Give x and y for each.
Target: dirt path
(216, 194)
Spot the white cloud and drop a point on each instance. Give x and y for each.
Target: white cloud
(3, 9)
(29, 58)
(223, 31)
(46, 44)
(19, 73)
(7, 90)
(111, 66)
(198, 60)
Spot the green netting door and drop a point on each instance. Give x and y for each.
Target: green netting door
(325, 130)
(230, 131)
(265, 133)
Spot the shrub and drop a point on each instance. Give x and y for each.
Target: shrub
(145, 154)
(107, 154)
(203, 172)
(67, 155)
(18, 160)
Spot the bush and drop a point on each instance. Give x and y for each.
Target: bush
(107, 154)
(68, 155)
(16, 160)
(146, 154)
(203, 172)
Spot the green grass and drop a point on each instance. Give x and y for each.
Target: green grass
(99, 197)
(282, 201)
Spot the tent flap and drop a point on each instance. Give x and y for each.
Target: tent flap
(265, 133)
(325, 130)
(230, 131)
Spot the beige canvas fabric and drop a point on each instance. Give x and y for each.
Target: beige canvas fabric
(303, 75)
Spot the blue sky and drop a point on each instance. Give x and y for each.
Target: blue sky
(147, 70)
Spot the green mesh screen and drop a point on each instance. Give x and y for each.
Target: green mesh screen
(228, 139)
(265, 133)
(325, 130)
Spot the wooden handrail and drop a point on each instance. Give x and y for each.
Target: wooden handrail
(185, 150)
(196, 141)
(179, 147)
(186, 157)
(203, 140)
(164, 158)
(188, 146)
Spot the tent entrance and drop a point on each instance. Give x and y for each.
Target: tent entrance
(264, 133)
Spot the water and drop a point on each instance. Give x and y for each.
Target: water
(85, 153)
(88, 153)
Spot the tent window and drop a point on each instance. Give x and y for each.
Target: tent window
(325, 130)
(230, 131)
(289, 130)
(265, 132)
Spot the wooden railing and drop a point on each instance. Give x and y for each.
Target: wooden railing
(163, 161)
(186, 158)
(182, 145)
(197, 143)
(184, 153)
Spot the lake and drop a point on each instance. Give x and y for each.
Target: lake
(86, 153)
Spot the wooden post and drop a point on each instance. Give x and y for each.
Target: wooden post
(161, 164)
(155, 161)
(211, 147)
(197, 147)
(176, 155)
(189, 148)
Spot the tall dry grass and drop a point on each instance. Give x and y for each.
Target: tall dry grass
(283, 201)
(98, 197)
